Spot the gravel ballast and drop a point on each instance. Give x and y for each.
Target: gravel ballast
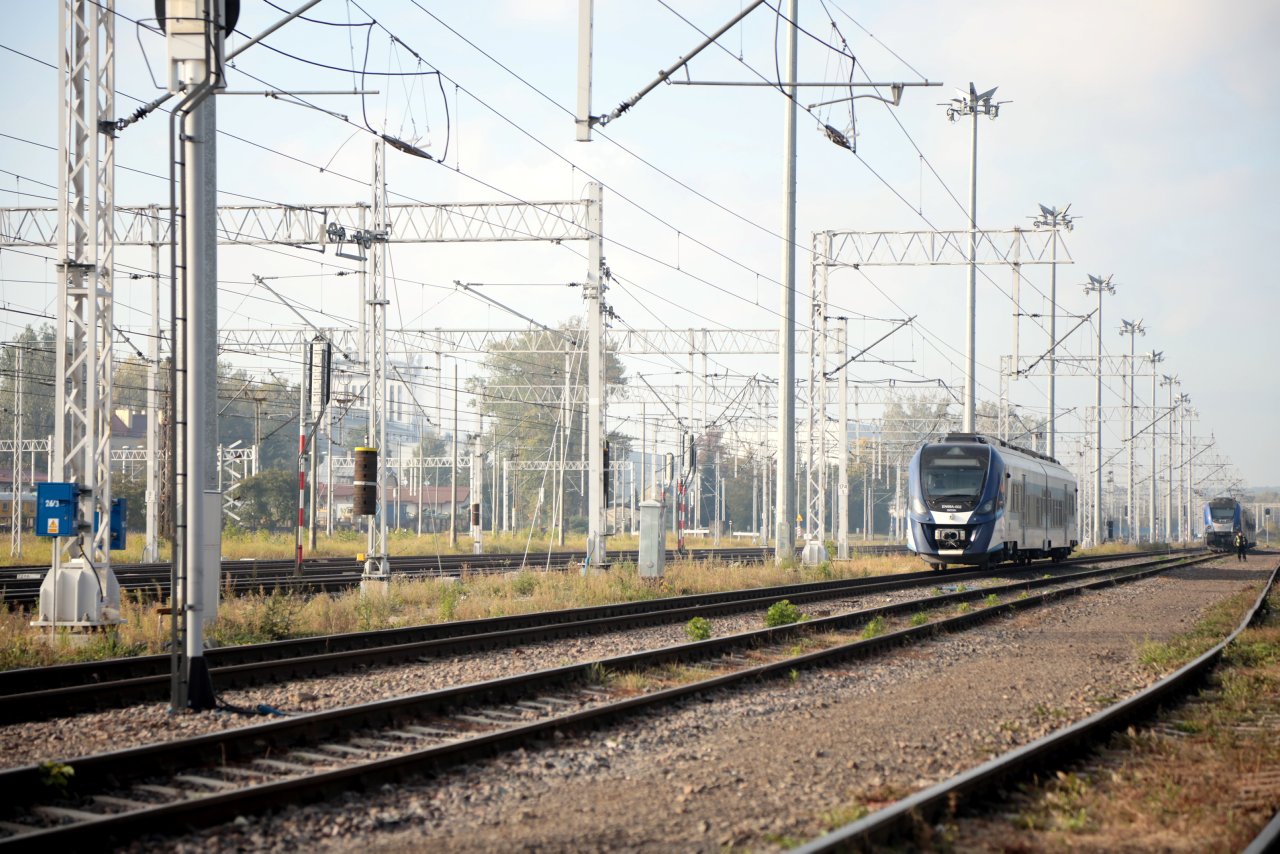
(114, 729)
(783, 761)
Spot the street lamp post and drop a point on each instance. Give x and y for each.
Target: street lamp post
(1132, 328)
(1055, 219)
(1100, 286)
(974, 105)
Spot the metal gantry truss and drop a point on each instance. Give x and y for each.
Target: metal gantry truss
(855, 249)
(85, 247)
(414, 341)
(322, 225)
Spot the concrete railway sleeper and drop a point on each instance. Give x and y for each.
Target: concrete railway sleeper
(205, 780)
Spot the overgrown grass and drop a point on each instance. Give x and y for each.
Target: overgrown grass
(1217, 623)
(1198, 781)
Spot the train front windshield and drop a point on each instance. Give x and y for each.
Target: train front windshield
(954, 474)
(1222, 514)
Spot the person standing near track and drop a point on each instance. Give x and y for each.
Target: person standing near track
(1241, 543)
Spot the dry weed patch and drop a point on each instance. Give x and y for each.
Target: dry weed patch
(1201, 778)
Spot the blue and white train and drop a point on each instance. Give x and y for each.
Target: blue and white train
(976, 500)
(1223, 519)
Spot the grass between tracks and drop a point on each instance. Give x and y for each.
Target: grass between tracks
(1203, 777)
(256, 618)
(263, 545)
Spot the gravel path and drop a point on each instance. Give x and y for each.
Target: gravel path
(783, 761)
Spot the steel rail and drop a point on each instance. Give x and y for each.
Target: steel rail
(896, 822)
(272, 749)
(29, 693)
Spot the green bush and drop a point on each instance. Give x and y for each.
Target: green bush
(873, 628)
(698, 629)
(524, 584)
(782, 614)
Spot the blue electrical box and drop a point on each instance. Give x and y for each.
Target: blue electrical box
(56, 509)
(119, 519)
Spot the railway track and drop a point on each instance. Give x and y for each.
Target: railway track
(212, 778)
(897, 822)
(21, 584)
(28, 693)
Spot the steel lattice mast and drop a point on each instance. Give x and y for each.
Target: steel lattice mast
(71, 595)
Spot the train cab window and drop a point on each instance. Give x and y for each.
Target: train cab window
(954, 475)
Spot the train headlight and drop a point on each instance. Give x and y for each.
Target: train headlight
(986, 506)
(917, 506)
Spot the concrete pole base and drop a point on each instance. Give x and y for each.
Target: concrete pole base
(814, 554)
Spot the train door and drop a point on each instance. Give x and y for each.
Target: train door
(1046, 503)
(1024, 500)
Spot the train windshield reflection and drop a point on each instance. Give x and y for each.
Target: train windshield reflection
(954, 472)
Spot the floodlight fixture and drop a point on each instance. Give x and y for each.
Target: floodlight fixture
(1097, 284)
(1132, 327)
(972, 104)
(1053, 218)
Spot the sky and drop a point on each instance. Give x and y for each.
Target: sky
(1155, 121)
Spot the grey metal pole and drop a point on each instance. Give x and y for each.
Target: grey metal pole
(328, 472)
(644, 435)
(586, 10)
(786, 480)
(1151, 490)
(594, 294)
(566, 414)
(203, 540)
(842, 489)
(15, 492)
(1097, 447)
(475, 522)
(151, 548)
(1131, 509)
(1053, 342)
(453, 467)
(970, 384)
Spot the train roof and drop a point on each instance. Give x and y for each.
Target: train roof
(992, 440)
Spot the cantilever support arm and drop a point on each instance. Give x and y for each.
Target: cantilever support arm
(680, 63)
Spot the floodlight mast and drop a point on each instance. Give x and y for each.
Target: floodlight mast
(972, 104)
(1132, 328)
(1055, 219)
(1155, 357)
(1098, 285)
(1169, 380)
